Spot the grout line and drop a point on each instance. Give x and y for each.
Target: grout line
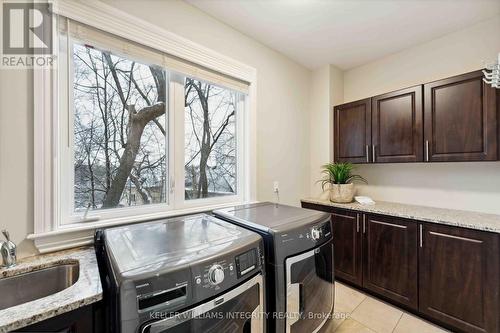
(402, 313)
(367, 327)
(357, 306)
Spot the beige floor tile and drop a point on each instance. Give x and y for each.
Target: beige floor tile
(412, 324)
(352, 326)
(346, 298)
(332, 325)
(377, 315)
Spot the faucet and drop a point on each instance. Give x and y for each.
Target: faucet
(8, 250)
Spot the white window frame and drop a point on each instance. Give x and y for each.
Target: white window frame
(49, 234)
(177, 92)
(66, 217)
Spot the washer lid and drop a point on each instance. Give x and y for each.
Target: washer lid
(270, 216)
(167, 244)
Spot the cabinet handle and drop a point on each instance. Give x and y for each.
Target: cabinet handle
(367, 154)
(421, 236)
(364, 223)
(427, 150)
(373, 153)
(357, 222)
(455, 237)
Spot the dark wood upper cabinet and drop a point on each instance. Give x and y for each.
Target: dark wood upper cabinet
(458, 283)
(347, 239)
(498, 122)
(460, 119)
(390, 259)
(454, 119)
(352, 132)
(397, 128)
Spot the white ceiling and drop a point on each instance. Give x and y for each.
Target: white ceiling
(346, 33)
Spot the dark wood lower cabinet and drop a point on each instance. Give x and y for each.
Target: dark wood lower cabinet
(459, 277)
(347, 243)
(87, 319)
(390, 259)
(448, 275)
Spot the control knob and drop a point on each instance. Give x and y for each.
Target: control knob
(315, 233)
(216, 274)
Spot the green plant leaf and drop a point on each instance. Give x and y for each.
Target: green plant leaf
(339, 173)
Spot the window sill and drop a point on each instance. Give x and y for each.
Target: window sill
(80, 234)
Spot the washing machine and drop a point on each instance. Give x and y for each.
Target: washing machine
(195, 274)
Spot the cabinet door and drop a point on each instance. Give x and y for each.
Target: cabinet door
(80, 320)
(498, 123)
(459, 277)
(352, 132)
(347, 246)
(397, 131)
(390, 258)
(460, 119)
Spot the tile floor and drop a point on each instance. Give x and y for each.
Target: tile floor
(356, 312)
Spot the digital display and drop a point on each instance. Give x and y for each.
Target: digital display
(246, 262)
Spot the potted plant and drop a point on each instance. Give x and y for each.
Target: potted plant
(341, 180)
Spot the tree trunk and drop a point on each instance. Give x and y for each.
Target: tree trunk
(137, 123)
(142, 192)
(206, 146)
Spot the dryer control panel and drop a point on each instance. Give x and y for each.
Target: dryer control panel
(304, 238)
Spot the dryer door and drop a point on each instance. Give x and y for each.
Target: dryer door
(310, 289)
(237, 311)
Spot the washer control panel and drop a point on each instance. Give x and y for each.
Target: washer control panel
(224, 272)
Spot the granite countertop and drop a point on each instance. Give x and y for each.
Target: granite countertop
(86, 290)
(452, 217)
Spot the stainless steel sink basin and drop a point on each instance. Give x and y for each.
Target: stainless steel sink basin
(22, 288)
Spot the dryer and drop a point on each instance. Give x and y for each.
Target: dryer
(299, 263)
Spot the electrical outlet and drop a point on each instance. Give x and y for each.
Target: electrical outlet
(276, 186)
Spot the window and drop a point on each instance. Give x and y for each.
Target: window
(142, 133)
(210, 143)
(119, 131)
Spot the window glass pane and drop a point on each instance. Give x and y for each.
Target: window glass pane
(119, 131)
(210, 140)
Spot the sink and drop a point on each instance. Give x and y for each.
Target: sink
(22, 288)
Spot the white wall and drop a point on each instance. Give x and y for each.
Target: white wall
(16, 156)
(460, 52)
(282, 119)
(283, 91)
(293, 132)
(326, 90)
(470, 186)
(319, 105)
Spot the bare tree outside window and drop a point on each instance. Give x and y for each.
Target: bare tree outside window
(119, 131)
(210, 140)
